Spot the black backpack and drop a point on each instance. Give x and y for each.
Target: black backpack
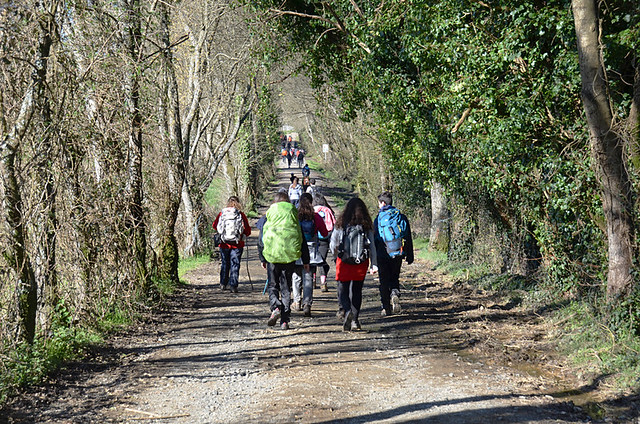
(354, 248)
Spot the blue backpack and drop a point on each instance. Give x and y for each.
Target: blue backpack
(392, 229)
(308, 229)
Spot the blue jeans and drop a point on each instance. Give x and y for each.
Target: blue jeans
(230, 266)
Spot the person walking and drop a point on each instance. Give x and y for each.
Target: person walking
(280, 245)
(295, 191)
(352, 245)
(233, 227)
(393, 243)
(322, 208)
(313, 227)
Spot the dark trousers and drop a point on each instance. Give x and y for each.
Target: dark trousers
(280, 277)
(230, 266)
(389, 274)
(350, 296)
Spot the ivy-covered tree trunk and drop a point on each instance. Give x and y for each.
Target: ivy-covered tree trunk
(135, 220)
(439, 234)
(606, 149)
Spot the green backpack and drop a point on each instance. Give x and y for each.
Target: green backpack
(281, 234)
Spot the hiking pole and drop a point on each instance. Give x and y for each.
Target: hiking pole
(247, 262)
(266, 284)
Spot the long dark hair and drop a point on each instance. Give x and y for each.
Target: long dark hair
(355, 213)
(305, 208)
(320, 200)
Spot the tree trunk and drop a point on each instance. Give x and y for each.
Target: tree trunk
(439, 235)
(606, 149)
(135, 220)
(168, 260)
(15, 253)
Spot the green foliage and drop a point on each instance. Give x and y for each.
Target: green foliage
(25, 364)
(595, 348)
(190, 263)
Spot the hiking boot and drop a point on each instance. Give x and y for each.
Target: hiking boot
(348, 319)
(296, 305)
(284, 326)
(274, 317)
(395, 304)
(340, 314)
(355, 325)
(307, 310)
(234, 289)
(324, 287)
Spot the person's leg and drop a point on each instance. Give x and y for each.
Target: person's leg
(285, 290)
(235, 257)
(307, 281)
(296, 286)
(394, 285)
(225, 265)
(344, 300)
(356, 303)
(274, 293)
(385, 276)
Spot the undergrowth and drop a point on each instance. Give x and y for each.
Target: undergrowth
(602, 345)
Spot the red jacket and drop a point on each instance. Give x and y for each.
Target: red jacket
(246, 232)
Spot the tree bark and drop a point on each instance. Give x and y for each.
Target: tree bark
(606, 149)
(439, 235)
(15, 253)
(168, 260)
(135, 222)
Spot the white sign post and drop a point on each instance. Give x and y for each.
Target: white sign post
(325, 150)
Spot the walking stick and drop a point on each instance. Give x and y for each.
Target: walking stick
(247, 262)
(266, 284)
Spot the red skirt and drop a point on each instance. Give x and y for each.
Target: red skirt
(348, 272)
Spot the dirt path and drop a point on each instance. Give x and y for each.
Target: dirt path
(209, 357)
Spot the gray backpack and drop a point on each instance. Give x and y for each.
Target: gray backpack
(230, 225)
(354, 248)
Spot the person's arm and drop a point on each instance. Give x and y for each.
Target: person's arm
(247, 226)
(408, 243)
(336, 238)
(372, 249)
(215, 222)
(319, 223)
(305, 257)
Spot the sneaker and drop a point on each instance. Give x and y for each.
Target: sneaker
(307, 310)
(274, 317)
(284, 326)
(385, 312)
(347, 321)
(395, 304)
(355, 325)
(223, 287)
(340, 314)
(296, 305)
(324, 287)
(234, 289)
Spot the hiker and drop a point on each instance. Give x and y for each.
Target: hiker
(311, 188)
(305, 184)
(233, 227)
(295, 191)
(393, 243)
(289, 157)
(306, 171)
(352, 246)
(300, 158)
(322, 208)
(280, 245)
(312, 226)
